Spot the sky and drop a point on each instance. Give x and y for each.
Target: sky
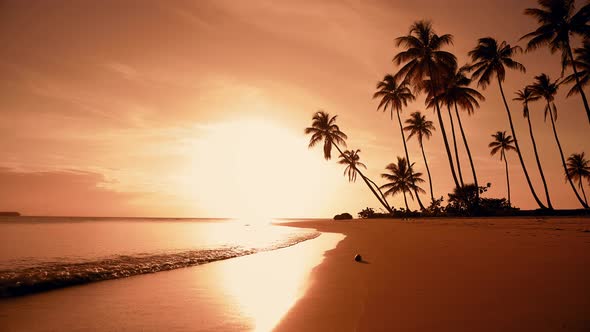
(197, 108)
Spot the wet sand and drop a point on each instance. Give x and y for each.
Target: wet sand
(485, 274)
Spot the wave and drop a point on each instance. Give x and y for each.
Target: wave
(53, 275)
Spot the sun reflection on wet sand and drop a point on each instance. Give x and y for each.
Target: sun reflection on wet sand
(265, 286)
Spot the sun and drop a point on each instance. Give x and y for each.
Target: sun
(256, 169)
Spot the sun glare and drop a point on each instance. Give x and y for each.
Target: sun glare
(254, 170)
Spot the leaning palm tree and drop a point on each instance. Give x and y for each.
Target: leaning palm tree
(490, 60)
(558, 21)
(423, 58)
(502, 143)
(526, 96)
(544, 87)
(394, 96)
(324, 128)
(578, 168)
(351, 159)
(402, 179)
(582, 63)
(418, 126)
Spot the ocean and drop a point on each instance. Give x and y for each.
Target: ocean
(44, 253)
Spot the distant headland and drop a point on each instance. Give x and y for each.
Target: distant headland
(9, 214)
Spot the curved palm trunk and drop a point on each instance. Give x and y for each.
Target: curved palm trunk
(583, 192)
(382, 201)
(468, 151)
(584, 100)
(401, 128)
(455, 146)
(549, 205)
(443, 132)
(427, 171)
(507, 177)
(569, 179)
(526, 174)
(406, 201)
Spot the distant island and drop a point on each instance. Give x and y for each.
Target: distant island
(9, 214)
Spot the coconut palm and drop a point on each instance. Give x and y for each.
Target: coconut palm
(351, 158)
(578, 169)
(544, 87)
(526, 96)
(558, 21)
(394, 96)
(490, 60)
(418, 126)
(582, 63)
(502, 143)
(424, 58)
(402, 179)
(324, 128)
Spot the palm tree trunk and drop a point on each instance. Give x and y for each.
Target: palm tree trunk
(468, 151)
(401, 128)
(455, 146)
(379, 190)
(584, 100)
(382, 201)
(569, 179)
(507, 177)
(526, 174)
(406, 201)
(442, 129)
(583, 192)
(427, 171)
(549, 205)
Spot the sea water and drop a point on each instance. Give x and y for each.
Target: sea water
(43, 253)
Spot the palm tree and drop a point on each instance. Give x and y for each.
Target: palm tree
(351, 160)
(424, 58)
(578, 168)
(526, 96)
(544, 87)
(502, 143)
(491, 59)
(558, 21)
(418, 126)
(402, 179)
(582, 63)
(395, 96)
(324, 128)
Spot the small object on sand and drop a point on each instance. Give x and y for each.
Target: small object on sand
(358, 258)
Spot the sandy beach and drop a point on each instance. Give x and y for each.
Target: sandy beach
(495, 274)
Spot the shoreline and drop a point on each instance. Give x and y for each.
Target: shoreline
(451, 274)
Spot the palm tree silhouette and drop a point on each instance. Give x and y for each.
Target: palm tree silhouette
(502, 143)
(395, 96)
(558, 20)
(324, 128)
(418, 126)
(424, 58)
(491, 59)
(526, 96)
(578, 168)
(351, 160)
(402, 179)
(544, 87)
(582, 63)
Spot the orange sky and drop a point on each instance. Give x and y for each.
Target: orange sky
(180, 108)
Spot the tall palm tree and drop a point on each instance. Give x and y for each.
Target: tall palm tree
(582, 63)
(544, 87)
(424, 58)
(558, 21)
(395, 96)
(418, 126)
(351, 159)
(324, 128)
(402, 179)
(578, 168)
(490, 60)
(502, 143)
(526, 96)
